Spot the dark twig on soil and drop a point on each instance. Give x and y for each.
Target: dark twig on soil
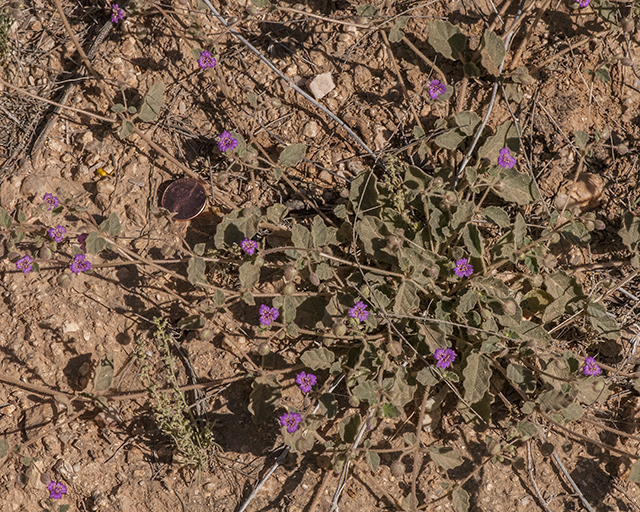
(541, 500)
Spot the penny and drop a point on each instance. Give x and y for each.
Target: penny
(186, 197)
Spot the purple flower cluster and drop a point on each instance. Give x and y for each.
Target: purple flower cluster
(506, 160)
(56, 489)
(583, 3)
(117, 14)
(206, 60)
(436, 89)
(52, 200)
(306, 381)
(268, 315)
(291, 420)
(590, 367)
(57, 233)
(463, 268)
(249, 246)
(24, 264)
(227, 142)
(444, 356)
(79, 264)
(359, 312)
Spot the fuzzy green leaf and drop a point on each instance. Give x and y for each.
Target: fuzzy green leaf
(496, 215)
(126, 129)
(364, 193)
(104, 373)
(519, 187)
(527, 430)
(602, 322)
(264, 398)
(249, 274)
(118, 107)
(349, 427)
(373, 460)
(445, 456)
(196, 271)
(473, 240)
(152, 103)
(94, 243)
(468, 122)
(634, 472)
(521, 377)
(506, 136)
(111, 226)
(396, 34)
(318, 358)
(292, 155)
(460, 500)
(5, 219)
(276, 213)
(407, 300)
(491, 52)
(4, 448)
(629, 232)
(476, 377)
(367, 391)
(447, 39)
(328, 405)
(191, 323)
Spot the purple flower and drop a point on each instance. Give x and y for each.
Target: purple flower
(291, 421)
(117, 14)
(359, 312)
(268, 315)
(56, 489)
(80, 264)
(444, 356)
(505, 160)
(227, 142)
(463, 268)
(57, 233)
(582, 3)
(206, 60)
(82, 240)
(590, 367)
(436, 89)
(52, 200)
(249, 246)
(24, 264)
(306, 381)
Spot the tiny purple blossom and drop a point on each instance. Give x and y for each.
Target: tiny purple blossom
(57, 233)
(505, 160)
(51, 200)
(249, 246)
(583, 3)
(206, 60)
(117, 14)
(56, 489)
(359, 312)
(227, 142)
(463, 268)
(306, 381)
(436, 89)
(291, 421)
(79, 264)
(444, 356)
(268, 315)
(590, 367)
(24, 264)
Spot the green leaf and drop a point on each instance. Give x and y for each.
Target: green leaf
(191, 323)
(196, 271)
(292, 155)
(427, 377)
(365, 187)
(318, 358)
(5, 219)
(198, 249)
(373, 460)
(506, 136)
(94, 243)
(264, 398)
(460, 500)
(450, 139)
(366, 10)
(519, 188)
(573, 412)
(603, 74)
(581, 139)
(445, 456)
(634, 472)
(63, 508)
(629, 232)
(276, 212)
(127, 129)
(521, 377)
(473, 240)
(527, 430)
(111, 226)
(328, 405)
(349, 427)
(104, 373)
(496, 215)
(367, 391)
(390, 411)
(318, 232)
(249, 274)
(407, 300)
(447, 39)
(396, 34)
(300, 237)
(4, 448)
(491, 52)
(602, 322)
(152, 103)
(261, 4)
(118, 107)
(132, 110)
(477, 374)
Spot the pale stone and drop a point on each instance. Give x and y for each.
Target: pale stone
(311, 129)
(68, 327)
(586, 194)
(321, 85)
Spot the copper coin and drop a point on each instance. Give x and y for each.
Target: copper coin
(186, 197)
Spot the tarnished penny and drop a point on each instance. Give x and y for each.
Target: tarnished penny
(186, 197)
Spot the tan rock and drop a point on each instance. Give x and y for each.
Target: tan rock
(586, 193)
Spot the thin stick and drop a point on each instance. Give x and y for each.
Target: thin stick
(543, 504)
(573, 484)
